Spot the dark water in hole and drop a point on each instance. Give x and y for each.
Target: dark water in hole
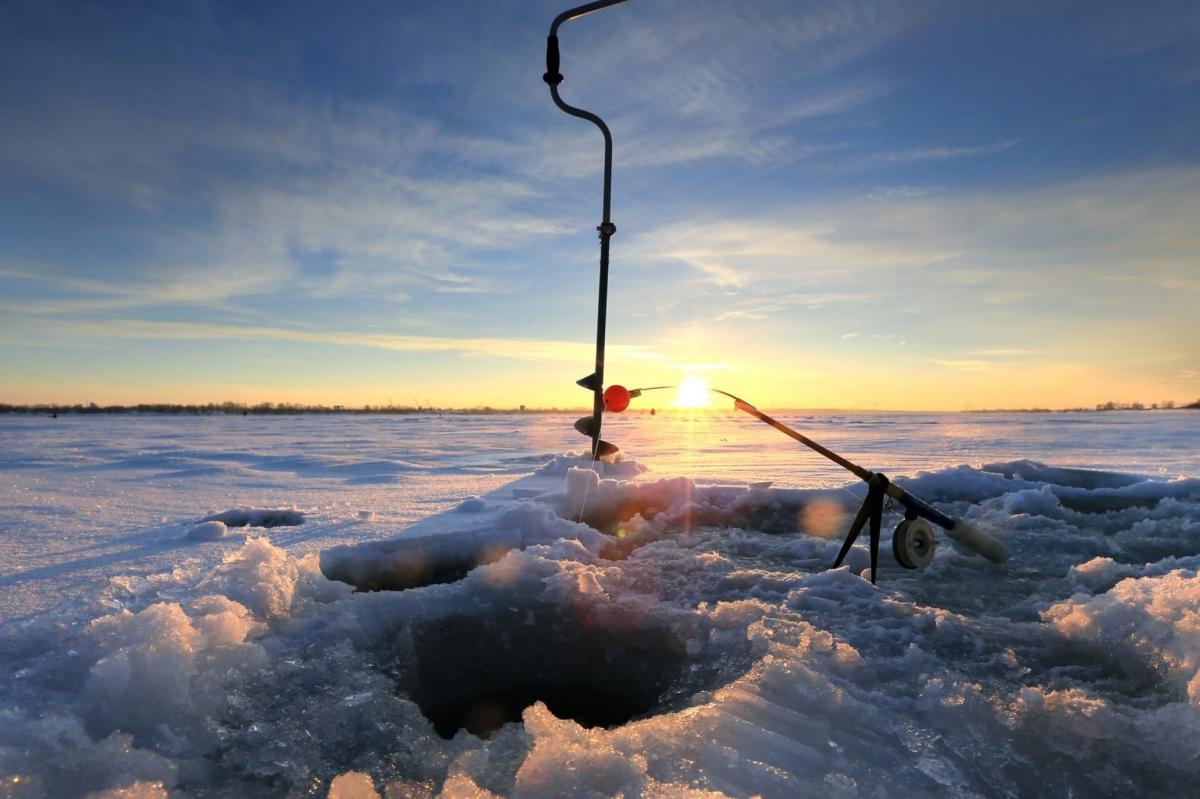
(485, 713)
(599, 669)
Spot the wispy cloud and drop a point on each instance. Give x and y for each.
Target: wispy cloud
(509, 348)
(766, 307)
(1002, 352)
(967, 365)
(211, 285)
(741, 252)
(917, 154)
(703, 367)
(1126, 31)
(1072, 235)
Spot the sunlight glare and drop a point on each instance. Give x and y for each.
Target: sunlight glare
(693, 393)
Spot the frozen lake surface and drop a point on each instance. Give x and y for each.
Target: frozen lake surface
(146, 648)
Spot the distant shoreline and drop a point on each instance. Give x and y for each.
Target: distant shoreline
(266, 409)
(289, 409)
(1108, 406)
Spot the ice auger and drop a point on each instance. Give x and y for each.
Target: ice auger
(589, 425)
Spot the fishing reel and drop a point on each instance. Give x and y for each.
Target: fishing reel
(913, 543)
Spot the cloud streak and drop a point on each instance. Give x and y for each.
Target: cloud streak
(918, 154)
(507, 348)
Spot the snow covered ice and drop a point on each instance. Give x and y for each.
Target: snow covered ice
(662, 628)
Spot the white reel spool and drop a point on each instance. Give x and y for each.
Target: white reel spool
(913, 543)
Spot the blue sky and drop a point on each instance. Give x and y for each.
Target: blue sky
(895, 205)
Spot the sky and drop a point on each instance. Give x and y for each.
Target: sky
(910, 205)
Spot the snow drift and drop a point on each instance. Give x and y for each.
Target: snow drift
(653, 637)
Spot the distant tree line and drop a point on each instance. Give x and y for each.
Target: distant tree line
(261, 409)
(1137, 406)
(1166, 405)
(291, 409)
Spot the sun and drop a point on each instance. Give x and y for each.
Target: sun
(693, 393)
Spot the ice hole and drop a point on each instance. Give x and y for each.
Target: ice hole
(258, 517)
(481, 672)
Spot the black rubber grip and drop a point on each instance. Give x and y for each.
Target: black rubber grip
(552, 76)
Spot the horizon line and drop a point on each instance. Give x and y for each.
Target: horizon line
(289, 408)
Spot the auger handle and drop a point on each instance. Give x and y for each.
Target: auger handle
(580, 11)
(552, 76)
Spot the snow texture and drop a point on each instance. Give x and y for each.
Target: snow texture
(209, 531)
(702, 616)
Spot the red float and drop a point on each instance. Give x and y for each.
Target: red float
(616, 398)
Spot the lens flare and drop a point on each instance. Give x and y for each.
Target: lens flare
(693, 393)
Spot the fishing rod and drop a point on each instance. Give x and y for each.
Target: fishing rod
(913, 541)
(589, 425)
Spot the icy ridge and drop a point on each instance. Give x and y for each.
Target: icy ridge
(1073, 669)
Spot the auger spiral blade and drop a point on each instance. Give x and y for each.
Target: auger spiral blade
(600, 447)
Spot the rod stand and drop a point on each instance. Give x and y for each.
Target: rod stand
(871, 511)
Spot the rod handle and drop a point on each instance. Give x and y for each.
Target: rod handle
(552, 76)
(978, 541)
